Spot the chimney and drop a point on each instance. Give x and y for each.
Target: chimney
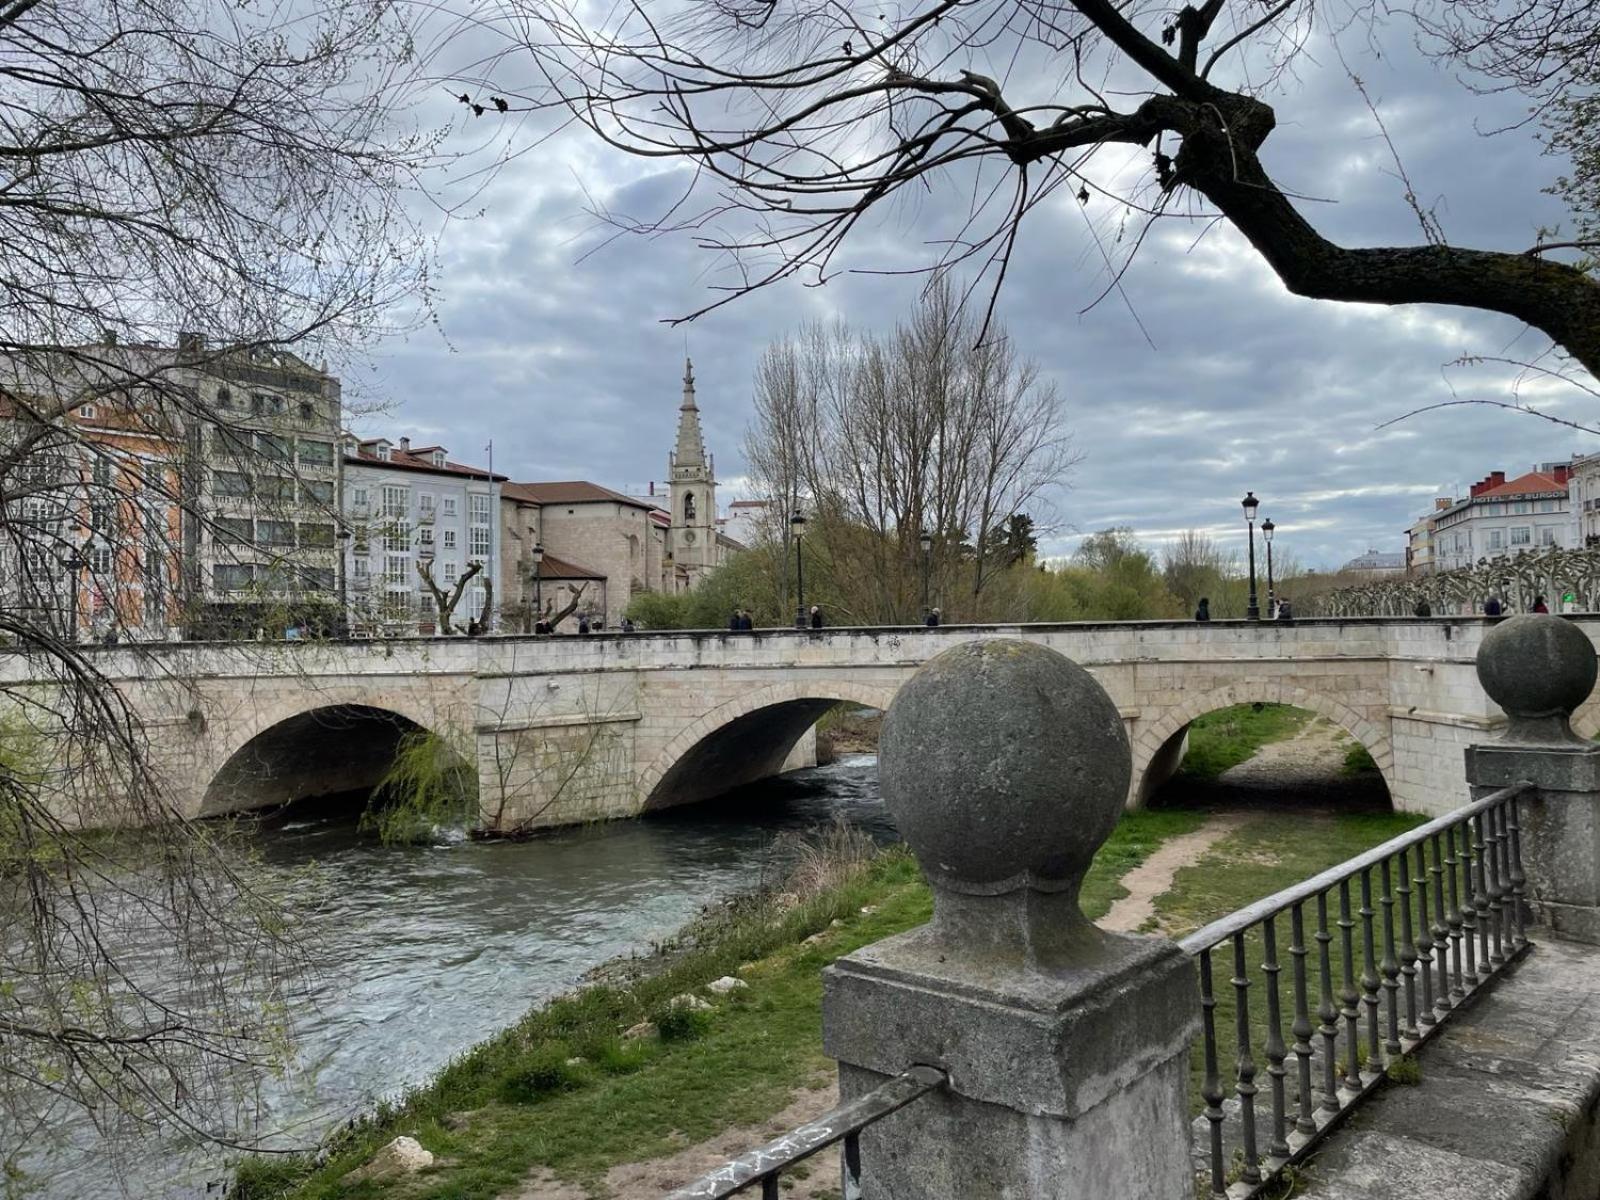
(405, 445)
(1496, 478)
(652, 487)
(1441, 503)
(1562, 471)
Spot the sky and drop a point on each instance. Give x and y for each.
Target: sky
(1201, 379)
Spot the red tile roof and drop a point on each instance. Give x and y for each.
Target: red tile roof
(415, 460)
(1525, 485)
(571, 491)
(559, 568)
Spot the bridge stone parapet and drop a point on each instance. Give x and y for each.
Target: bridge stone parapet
(573, 728)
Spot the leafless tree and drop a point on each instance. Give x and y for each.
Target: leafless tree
(165, 166)
(800, 118)
(926, 428)
(445, 601)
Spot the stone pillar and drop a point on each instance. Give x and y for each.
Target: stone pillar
(1005, 767)
(1539, 668)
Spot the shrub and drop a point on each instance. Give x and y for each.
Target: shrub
(680, 1024)
(539, 1073)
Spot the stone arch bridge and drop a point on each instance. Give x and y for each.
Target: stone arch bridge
(573, 729)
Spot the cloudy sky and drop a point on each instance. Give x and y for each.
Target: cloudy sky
(553, 344)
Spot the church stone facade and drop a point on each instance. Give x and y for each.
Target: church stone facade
(692, 493)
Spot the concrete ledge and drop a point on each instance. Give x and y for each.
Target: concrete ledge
(1509, 1103)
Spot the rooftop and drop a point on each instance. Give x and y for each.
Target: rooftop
(570, 491)
(405, 459)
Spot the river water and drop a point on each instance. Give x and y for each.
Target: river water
(431, 949)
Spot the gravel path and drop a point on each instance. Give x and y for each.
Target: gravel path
(1154, 875)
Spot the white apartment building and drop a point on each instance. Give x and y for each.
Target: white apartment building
(408, 509)
(1502, 517)
(1583, 485)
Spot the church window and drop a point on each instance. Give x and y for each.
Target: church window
(688, 506)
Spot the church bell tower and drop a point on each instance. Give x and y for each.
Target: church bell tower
(692, 490)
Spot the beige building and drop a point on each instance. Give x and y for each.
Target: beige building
(1419, 539)
(597, 544)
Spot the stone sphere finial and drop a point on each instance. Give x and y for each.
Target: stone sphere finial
(1005, 767)
(1538, 668)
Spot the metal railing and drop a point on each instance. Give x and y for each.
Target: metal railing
(843, 1124)
(1457, 883)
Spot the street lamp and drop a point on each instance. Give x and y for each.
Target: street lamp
(344, 536)
(1266, 536)
(797, 526)
(1252, 612)
(72, 564)
(926, 539)
(538, 597)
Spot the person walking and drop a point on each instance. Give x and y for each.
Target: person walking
(746, 622)
(933, 618)
(1491, 606)
(1285, 613)
(627, 624)
(1539, 605)
(816, 616)
(1202, 611)
(1423, 608)
(736, 620)
(583, 623)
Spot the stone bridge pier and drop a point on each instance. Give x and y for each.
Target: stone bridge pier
(567, 730)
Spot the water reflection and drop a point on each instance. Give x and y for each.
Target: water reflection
(430, 949)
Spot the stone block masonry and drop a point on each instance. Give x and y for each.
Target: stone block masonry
(574, 729)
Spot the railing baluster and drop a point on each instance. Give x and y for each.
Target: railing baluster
(1348, 994)
(1480, 904)
(769, 1186)
(1245, 1088)
(852, 1166)
(1424, 967)
(1329, 1011)
(1441, 931)
(1302, 1028)
(1370, 982)
(1518, 879)
(1211, 1086)
(1469, 908)
(1456, 919)
(1390, 966)
(1276, 1051)
(1497, 887)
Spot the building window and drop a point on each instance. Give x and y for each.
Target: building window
(316, 454)
(397, 536)
(316, 491)
(396, 501)
(87, 412)
(230, 531)
(358, 497)
(479, 547)
(447, 538)
(275, 533)
(100, 472)
(100, 560)
(229, 577)
(228, 483)
(450, 571)
(1521, 535)
(359, 567)
(317, 536)
(307, 410)
(1521, 508)
(382, 453)
(278, 449)
(1547, 506)
(425, 535)
(425, 502)
(480, 510)
(275, 487)
(397, 569)
(1497, 539)
(317, 579)
(224, 398)
(1547, 535)
(438, 458)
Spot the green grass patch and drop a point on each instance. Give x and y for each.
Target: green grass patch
(1273, 851)
(516, 1103)
(1229, 736)
(1357, 761)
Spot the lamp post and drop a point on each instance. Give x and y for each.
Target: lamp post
(797, 526)
(72, 564)
(538, 596)
(344, 580)
(1252, 612)
(926, 539)
(1266, 536)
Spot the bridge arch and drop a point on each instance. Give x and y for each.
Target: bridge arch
(318, 751)
(1158, 747)
(745, 739)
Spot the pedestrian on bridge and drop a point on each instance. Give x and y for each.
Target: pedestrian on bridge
(1491, 607)
(583, 623)
(933, 618)
(816, 616)
(1202, 611)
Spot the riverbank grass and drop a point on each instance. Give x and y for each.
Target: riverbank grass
(1229, 736)
(567, 1092)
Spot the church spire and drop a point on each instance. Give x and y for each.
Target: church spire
(691, 452)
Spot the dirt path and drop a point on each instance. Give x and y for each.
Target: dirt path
(1306, 760)
(1154, 875)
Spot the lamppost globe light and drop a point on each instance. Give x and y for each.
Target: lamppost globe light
(926, 539)
(1252, 610)
(538, 553)
(1250, 505)
(797, 524)
(1266, 529)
